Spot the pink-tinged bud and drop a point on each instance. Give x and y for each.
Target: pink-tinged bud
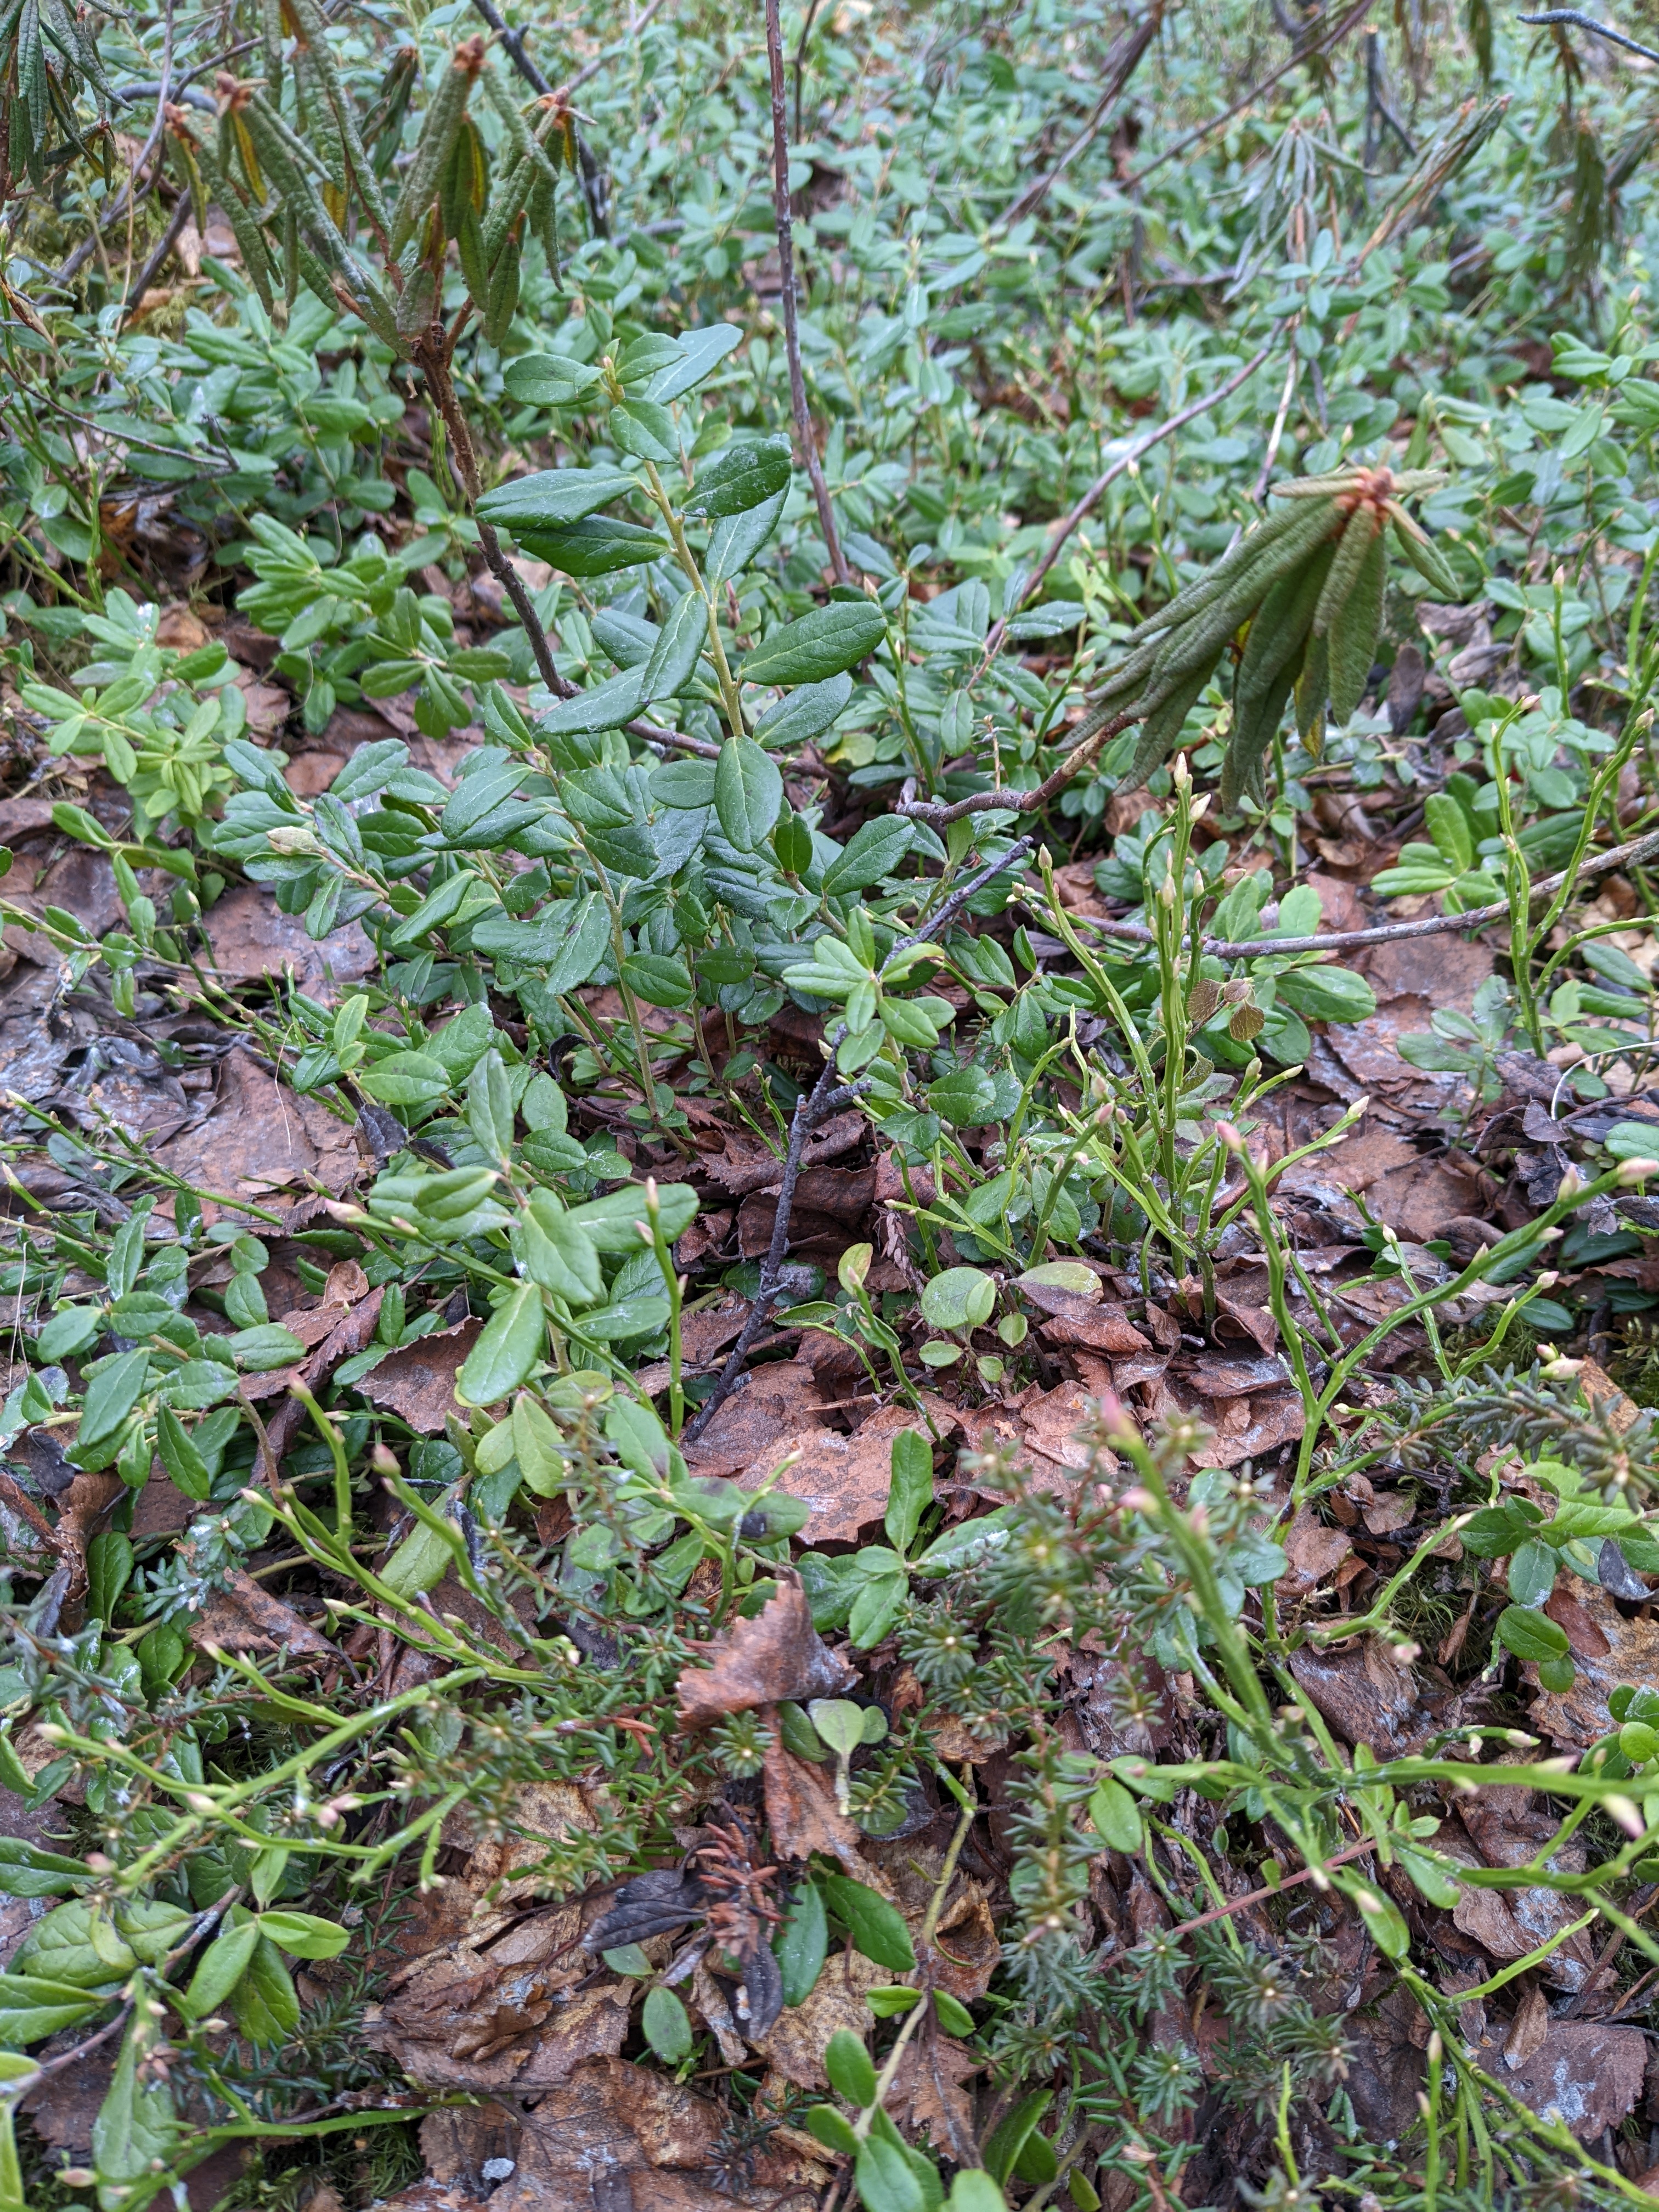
(1635, 1171)
(1229, 1136)
(1624, 1811)
(1140, 1501)
(1116, 1421)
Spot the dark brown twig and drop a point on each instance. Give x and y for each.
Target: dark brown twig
(1121, 65)
(826, 1098)
(804, 432)
(593, 176)
(152, 269)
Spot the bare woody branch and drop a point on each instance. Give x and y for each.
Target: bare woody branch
(1631, 855)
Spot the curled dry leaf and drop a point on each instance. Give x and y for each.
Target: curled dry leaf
(776, 1655)
(518, 2012)
(1529, 2030)
(928, 2096)
(1313, 1550)
(656, 1903)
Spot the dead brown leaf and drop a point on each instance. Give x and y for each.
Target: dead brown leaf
(1046, 1432)
(778, 1401)
(1597, 1387)
(621, 2138)
(251, 940)
(1368, 1693)
(1095, 1328)
(1529, 2030)
(260, 1136)
(1577, 1718)
(845, 1479)
(928, 2097)
(776, 1655)
(418, 1382)
(1591, 2073)
(1313, 1550)
(243, 1617)
(795, 2043)
(492, 2011)
(458, 2141)
(802, 1814)
(1505, 1827)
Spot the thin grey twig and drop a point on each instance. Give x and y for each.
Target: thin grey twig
(953, 906)
(592, 68)
(1276, 435)
(152, 269)
(1337, 32)
(827, 1096)
(1067, 523)
(1097, 727)
(1392, 933)
(131, 191)
(805, 434)
(1589, 23)
(800, 57)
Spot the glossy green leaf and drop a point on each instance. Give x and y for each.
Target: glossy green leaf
(877, 1928)
(748, 792)
(819, 645)
(514, 1340)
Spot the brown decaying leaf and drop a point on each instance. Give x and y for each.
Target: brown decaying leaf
(1574, 1719)
(1504, 1828)
(516, 2012)
(1529, 2030)
(1095, 1328)
(260, 1136)
(252, 939)
(1589, 2073)
(777, 1655)
(778, 1401)
(417, 1382)
(1369, 1694)
(845, 1479)
(243, 1617)
(795, 2044)
(802, 1815)
(928, 2096)
(620, 2138)
(1313, 1550)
